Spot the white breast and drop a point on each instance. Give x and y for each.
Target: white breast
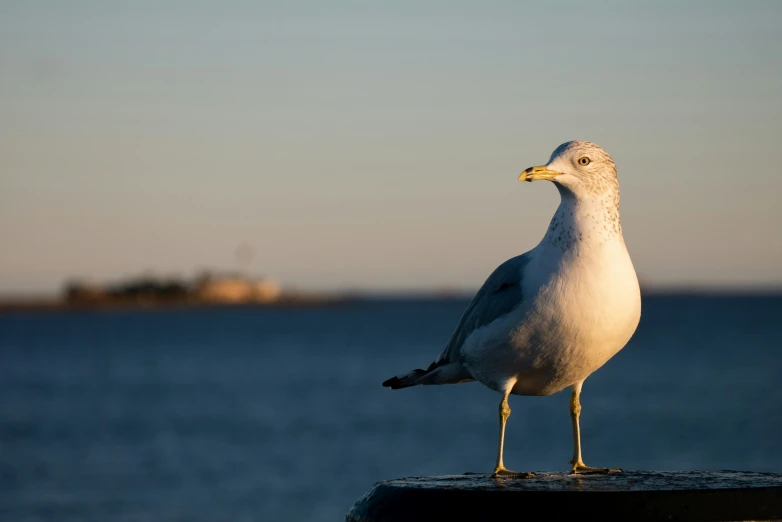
(581, 306)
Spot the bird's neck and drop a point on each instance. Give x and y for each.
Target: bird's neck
(585, 220)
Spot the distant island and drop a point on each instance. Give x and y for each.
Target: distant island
(206, 289)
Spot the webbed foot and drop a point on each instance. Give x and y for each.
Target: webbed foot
(579, 468)
(501, 471)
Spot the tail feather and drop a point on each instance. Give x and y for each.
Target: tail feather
(437, 373)
(404, 381)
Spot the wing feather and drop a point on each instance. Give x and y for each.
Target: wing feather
(500, 294)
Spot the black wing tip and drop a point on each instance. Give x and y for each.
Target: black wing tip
(394, 383)
(409, 379)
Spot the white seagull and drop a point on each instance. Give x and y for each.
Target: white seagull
(547, 319)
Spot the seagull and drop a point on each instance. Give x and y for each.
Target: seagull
(547, 319)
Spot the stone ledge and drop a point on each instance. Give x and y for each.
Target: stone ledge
(630, 495)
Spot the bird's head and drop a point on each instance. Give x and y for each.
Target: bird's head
(578, 167)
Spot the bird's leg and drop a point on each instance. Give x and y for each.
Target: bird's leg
(575, 413)
(500, 469)
(504, 414)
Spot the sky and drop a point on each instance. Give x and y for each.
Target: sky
(376, 145)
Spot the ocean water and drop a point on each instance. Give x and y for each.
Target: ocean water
(278, 414)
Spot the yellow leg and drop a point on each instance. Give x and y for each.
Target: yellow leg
(575, 413)
(499, 468)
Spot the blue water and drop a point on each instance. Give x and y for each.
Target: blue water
(278, 414)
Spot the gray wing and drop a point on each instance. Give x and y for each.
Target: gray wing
(500, 294)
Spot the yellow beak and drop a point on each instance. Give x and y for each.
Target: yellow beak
(541, 172)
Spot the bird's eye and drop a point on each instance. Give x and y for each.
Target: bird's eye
(583, 161)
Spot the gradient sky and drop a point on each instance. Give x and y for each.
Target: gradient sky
(371, 145)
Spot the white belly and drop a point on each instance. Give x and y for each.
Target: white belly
(585, 306)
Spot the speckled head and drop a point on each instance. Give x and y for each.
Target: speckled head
(580, 168)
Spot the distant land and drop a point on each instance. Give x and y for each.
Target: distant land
(207, 289)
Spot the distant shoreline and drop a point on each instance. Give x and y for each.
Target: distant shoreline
(57, 305)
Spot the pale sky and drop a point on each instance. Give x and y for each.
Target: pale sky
(376, 145)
